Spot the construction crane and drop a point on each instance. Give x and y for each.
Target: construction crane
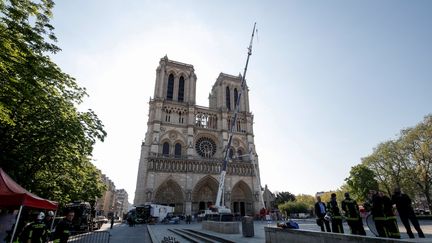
(220, 202)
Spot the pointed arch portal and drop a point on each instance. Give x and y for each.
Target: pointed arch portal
(170, 193)
(204, 193)
(241, 199)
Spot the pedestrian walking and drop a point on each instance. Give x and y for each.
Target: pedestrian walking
(112, 222)
(406, 212)
(352, 215)
(335, 214)
(320, 212)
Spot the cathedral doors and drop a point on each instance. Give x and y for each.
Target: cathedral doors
(170, 193)
(204, 194)
(241, 199)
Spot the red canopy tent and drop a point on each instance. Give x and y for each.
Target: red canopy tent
(14, 195)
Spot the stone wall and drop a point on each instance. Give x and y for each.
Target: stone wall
(222, 227)
(273, 235)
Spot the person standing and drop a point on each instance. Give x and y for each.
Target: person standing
(336, 217)
(320, 212)
(377, 212)
(49, 218)
(35, 232)
(390, 221)
(112, 222)
(48, 221)
(64, 228)
(352, 214)
(406, 212)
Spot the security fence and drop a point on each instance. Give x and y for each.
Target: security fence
(91, 237)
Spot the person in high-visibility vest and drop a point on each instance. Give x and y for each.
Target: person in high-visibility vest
(63, 228)
(352, 215)
(335, 214)
(377, 212)
(390, 222)
(35, 232)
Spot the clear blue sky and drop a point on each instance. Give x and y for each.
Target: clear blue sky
(328, 80)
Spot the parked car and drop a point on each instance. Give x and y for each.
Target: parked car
(102, 218)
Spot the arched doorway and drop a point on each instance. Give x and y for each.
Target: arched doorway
(170, 193)
(241, 199)
(204, 193)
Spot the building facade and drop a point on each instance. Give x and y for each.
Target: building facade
(105, 204)
(182, 154)
(122, 203)
(113, 201)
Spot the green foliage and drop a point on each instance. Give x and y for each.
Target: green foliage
(360, 181)
(46, 143)
(405, 162)
(417, 146)
(293, 207)
(325, 197)
(282, 197)
(308, 200)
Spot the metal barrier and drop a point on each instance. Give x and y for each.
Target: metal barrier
(91, 237)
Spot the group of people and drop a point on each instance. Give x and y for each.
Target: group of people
(38, 230)
(380, 207)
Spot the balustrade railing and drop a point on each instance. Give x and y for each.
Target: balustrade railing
(205, 166)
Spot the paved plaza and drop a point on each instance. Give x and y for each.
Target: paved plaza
(122, 233)
(158, 232)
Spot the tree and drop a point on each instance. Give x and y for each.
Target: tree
(325, 197)
(360, 181)
(282, 197)
(405, 162)
(308, 200)
(417, 142)
(46, 143)
(293, 207)
(389, 161)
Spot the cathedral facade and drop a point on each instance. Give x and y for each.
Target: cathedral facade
(182, 154)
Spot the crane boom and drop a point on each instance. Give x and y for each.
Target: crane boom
(219, 198)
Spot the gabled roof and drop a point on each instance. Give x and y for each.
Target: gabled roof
(13, 195)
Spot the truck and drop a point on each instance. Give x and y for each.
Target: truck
(151, 213)
(83, 220)
(160, 211)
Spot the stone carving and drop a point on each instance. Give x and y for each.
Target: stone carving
(172, 135)
(149, 195)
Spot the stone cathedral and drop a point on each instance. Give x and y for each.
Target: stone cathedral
(182, 154)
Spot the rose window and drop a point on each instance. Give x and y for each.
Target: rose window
(205, 147)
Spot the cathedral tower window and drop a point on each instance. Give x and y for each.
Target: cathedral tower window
(168, 116)
(165, 149)
(181, 117)
(181, 89)
(228, 98)
(231, 153)
(170, 88)
(235, 98)
(177, 150)
(240, 154)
